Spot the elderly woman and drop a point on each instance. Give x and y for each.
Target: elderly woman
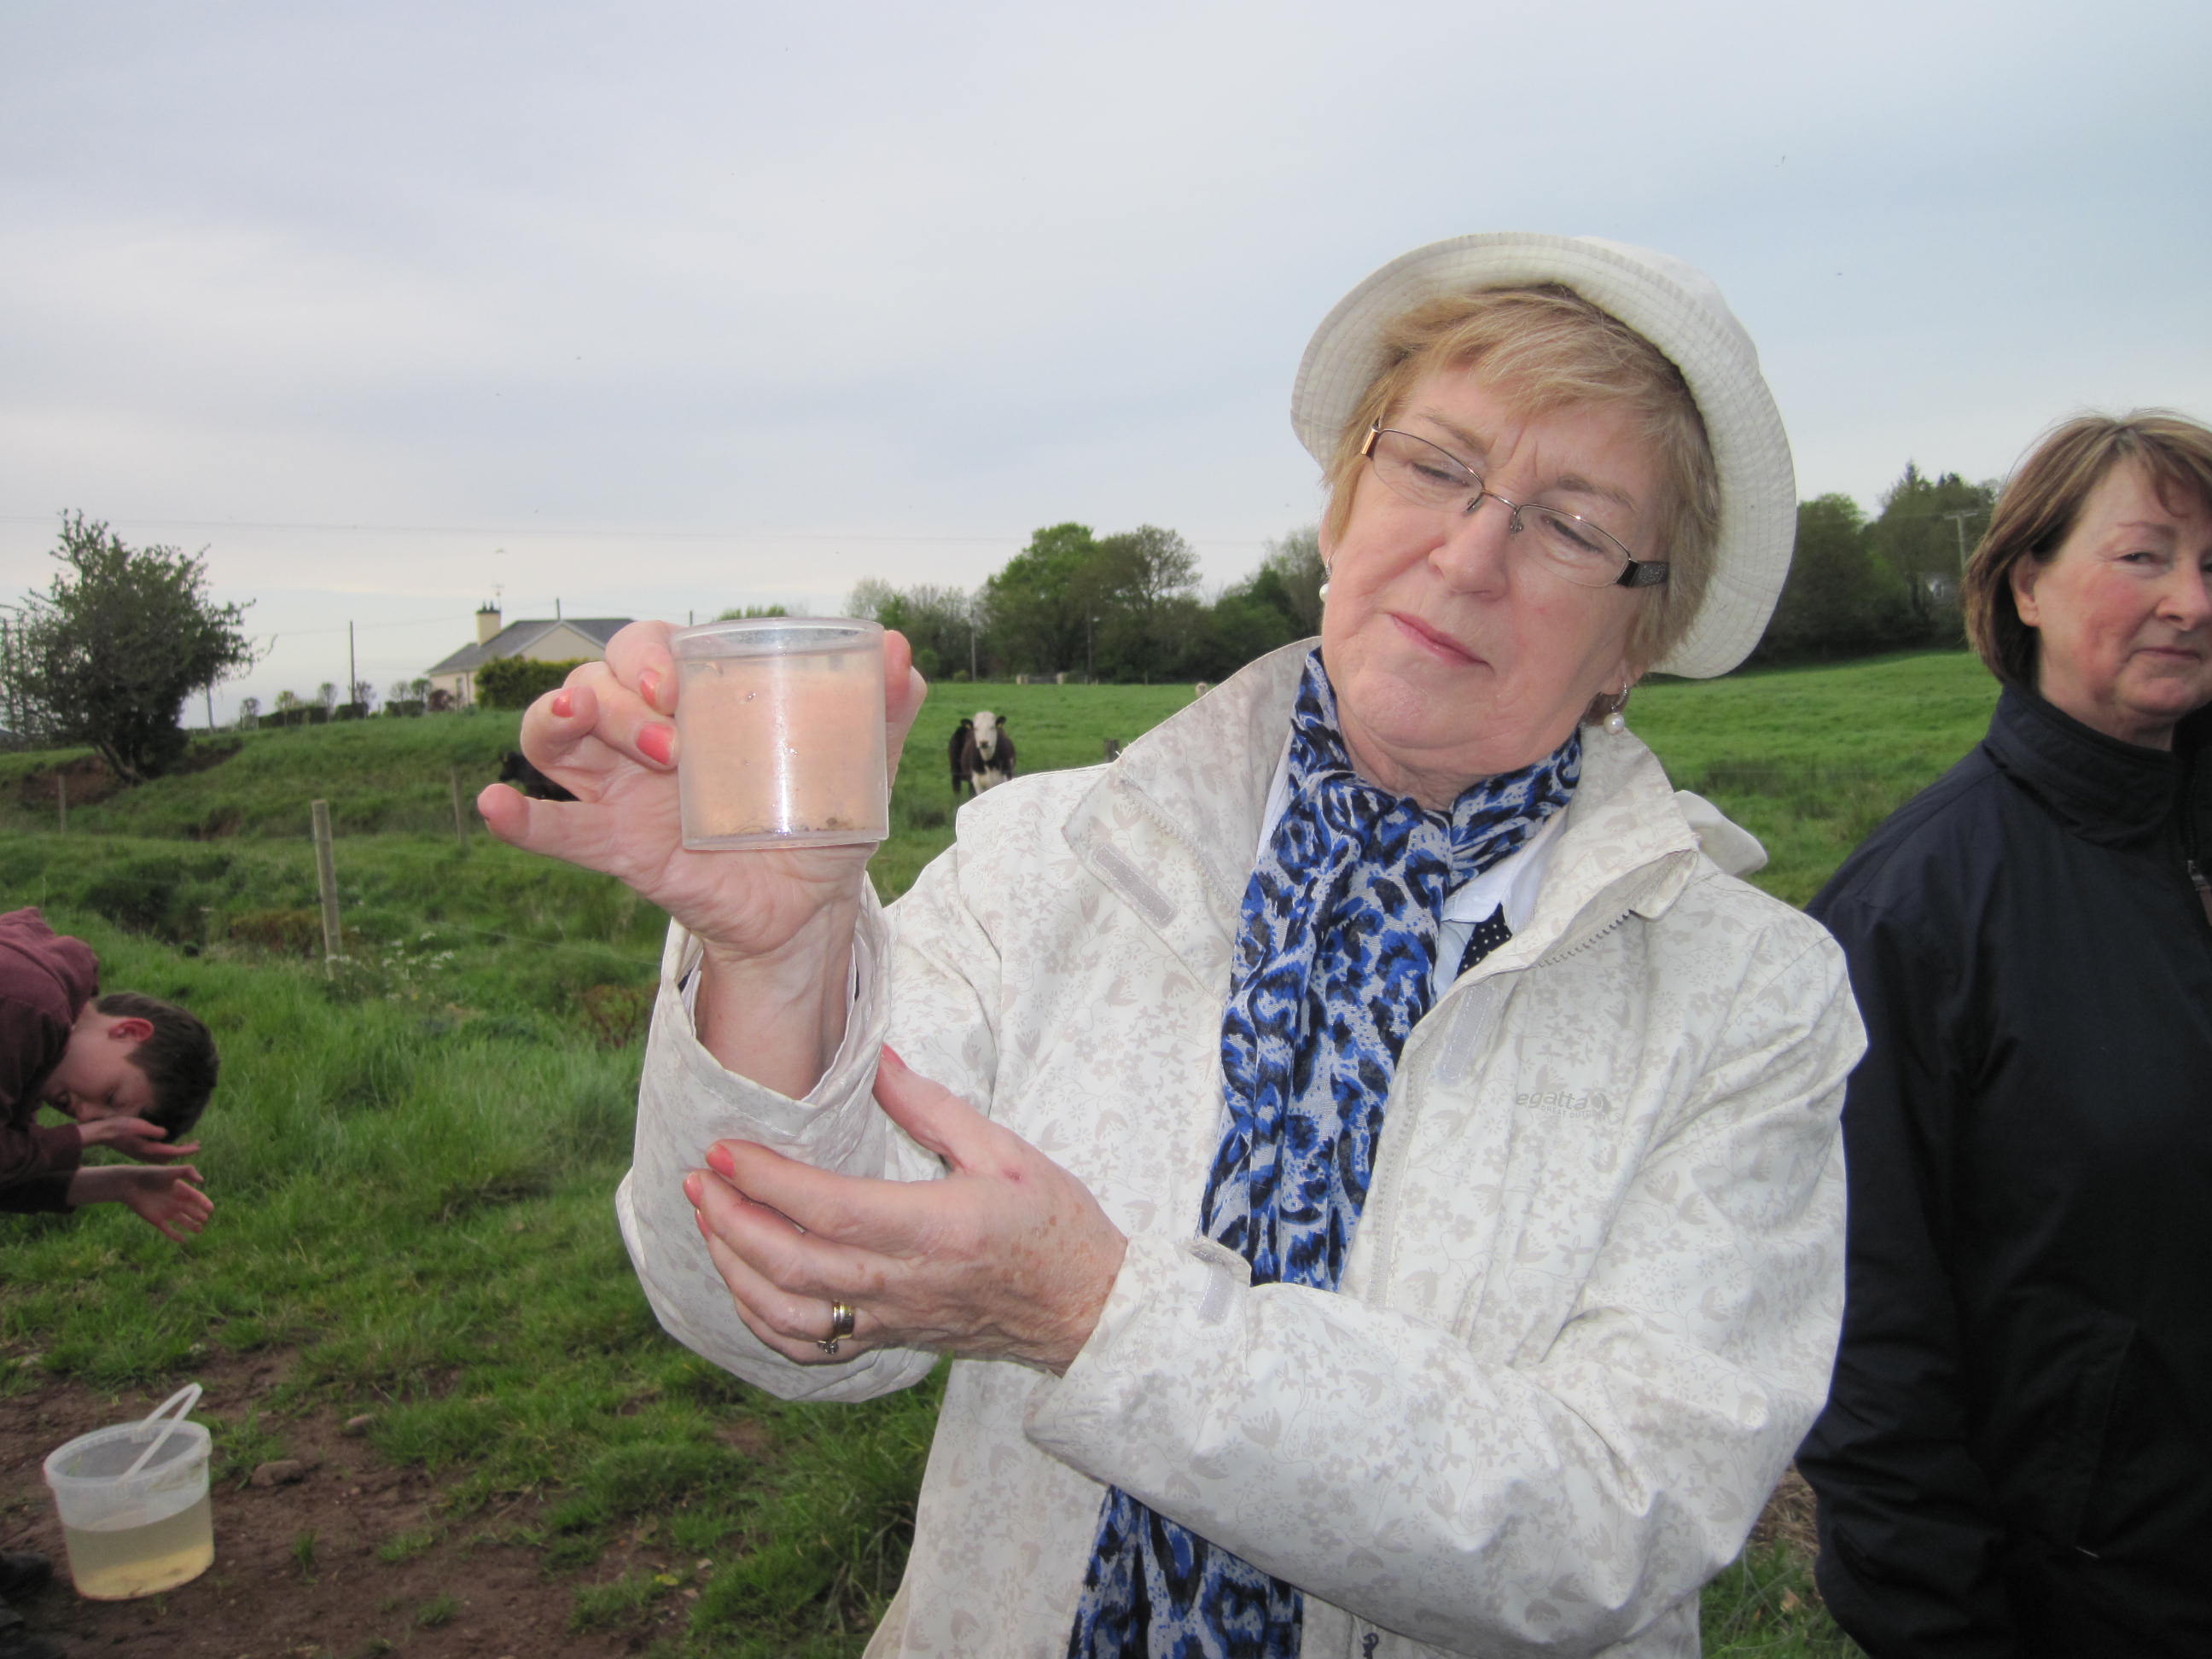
(2018, 1456)
(1378, 1176)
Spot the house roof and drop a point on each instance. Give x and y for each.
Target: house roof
(519, 636)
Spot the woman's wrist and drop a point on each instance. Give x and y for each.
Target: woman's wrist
(1103, 1258)
(778, 1017)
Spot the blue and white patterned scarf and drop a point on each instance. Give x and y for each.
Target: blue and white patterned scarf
(1333, 971)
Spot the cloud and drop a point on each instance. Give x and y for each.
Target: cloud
(694, 300)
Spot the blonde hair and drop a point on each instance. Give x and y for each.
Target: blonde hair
(2042, 501)
(1546, 349)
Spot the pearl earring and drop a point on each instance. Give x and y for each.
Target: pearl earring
(1615, 722)
(1324, 594)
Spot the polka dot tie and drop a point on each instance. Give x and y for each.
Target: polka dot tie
(1488, 935)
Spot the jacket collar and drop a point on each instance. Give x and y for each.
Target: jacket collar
(1172, 826)
(2106, 791)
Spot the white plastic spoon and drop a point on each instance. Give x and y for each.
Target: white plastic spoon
(189, 1395)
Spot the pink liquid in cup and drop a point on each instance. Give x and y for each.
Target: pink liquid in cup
(780, 733)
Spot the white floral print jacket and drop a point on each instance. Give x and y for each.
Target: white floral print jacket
(1592, 1301)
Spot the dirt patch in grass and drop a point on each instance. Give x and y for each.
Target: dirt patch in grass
(88, 779)
(1789, 1516)
(85, 777)
(354, 1559)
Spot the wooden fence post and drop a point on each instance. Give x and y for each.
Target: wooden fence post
(61, 802)
(327, 878)
(460, 820)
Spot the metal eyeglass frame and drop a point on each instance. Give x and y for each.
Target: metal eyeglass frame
(1635, 572)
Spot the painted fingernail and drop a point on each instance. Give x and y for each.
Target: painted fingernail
(695, 1185)
(892, 1055)
(563, 704)
(656, 744)
(720, 1160)
(649, 687)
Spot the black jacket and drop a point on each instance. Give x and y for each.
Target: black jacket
(2016, 1457)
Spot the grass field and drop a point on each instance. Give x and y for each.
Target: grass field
(413, 1160)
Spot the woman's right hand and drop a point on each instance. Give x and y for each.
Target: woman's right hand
(607, 738)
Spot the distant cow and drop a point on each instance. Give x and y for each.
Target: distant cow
(514, 770)
(987, 758)
(956, 751)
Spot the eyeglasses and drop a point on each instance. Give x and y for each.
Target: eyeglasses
(1569, 544)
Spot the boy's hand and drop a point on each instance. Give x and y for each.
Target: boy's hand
(169, 1201)
(134, 1137)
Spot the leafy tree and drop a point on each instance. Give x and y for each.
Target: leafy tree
(869, 596)
(1036, 608)
(1290, 578)
(1840, 600)
(740, 612)
(1140, 615)
(938, 622)
(1235, 629)
(1916, 535)
(109, 653)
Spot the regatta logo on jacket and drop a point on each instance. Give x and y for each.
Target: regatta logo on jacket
(1568, 1103)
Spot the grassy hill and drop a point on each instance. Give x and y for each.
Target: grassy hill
(412, 1158)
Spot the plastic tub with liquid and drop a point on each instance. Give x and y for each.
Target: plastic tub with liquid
(134, 1533)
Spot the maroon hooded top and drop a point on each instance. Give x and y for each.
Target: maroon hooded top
(45, 978)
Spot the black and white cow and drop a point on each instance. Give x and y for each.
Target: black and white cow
(988, 756)
(518, 771)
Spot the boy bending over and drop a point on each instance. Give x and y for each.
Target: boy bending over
(134, 1072)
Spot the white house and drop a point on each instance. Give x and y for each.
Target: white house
(562, 639)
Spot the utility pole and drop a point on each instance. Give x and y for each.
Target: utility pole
(353, 672)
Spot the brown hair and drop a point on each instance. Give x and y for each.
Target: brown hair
(2043, 499)
(1546, 347)
(178, 1059)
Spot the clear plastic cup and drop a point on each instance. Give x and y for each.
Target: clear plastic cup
(780, 732)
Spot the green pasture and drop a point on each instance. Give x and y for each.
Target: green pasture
(413, 1158)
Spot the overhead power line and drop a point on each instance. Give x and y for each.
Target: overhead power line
(603, 533)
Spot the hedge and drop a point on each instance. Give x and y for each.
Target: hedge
(518, 682)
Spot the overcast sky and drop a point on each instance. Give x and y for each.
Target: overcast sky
(649, 308)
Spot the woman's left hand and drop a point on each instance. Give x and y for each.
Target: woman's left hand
(1008, 1257)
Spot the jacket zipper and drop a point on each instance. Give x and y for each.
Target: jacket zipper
(1583, 943)
(2188, 835)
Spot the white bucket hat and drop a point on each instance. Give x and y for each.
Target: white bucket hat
(1675, 307)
